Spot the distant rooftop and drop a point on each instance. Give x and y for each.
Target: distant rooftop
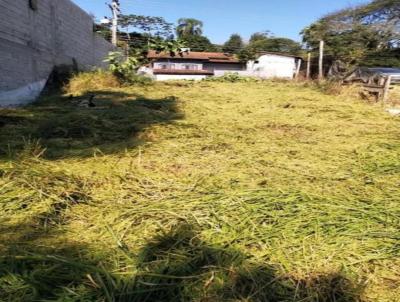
(214, 57)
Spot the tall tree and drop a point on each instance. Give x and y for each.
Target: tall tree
(281, 45)
(151, 26)
(234, 45)
(358, 35)
(264, 41)
(198, 43)
(260, 36)
(189, 27)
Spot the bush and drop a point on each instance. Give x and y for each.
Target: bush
(89, 81)
(232, 78)
(125, 69)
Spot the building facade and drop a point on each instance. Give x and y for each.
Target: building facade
(199, 65)
(275, 65)
(192, 65)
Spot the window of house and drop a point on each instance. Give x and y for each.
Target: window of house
(164, 66)
(191, 67)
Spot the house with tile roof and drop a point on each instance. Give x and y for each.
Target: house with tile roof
(190, 65)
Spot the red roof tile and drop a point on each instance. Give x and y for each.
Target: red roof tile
(193, 55)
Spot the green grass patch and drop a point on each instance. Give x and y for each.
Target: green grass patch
(247, 191)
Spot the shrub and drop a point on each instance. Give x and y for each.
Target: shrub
(125, 69)
(232, 78)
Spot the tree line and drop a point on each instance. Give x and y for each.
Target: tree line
(139, 31)
(367, 35)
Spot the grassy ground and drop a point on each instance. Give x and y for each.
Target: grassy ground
(200, 192)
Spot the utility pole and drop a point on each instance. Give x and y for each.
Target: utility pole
(116, 10)
(308, 66)
(321, 60)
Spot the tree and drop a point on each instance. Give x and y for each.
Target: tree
(151, 26)
(125, 68)
(198, 43)
(358, 35)
(137, 31)
(265, 42)
(189, 27)
(260, 36)
(281, 45)
(234, 45)
(246, 55)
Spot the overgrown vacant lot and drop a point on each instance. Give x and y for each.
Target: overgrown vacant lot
(200, 192)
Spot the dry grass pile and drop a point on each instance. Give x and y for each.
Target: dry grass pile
(96, 80)
(260, 191)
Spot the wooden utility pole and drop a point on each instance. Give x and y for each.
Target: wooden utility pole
(321, 60)
(386, 89)
(308, 66)
(115, 9)
(298, 67)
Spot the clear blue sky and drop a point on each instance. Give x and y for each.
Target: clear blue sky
(221, 18)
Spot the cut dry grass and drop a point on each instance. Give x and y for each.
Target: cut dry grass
(242, 192)
(394, 96)
(97, 80)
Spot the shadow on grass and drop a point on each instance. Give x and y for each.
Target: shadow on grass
(173, 266)
(65, 128)
(182, 267)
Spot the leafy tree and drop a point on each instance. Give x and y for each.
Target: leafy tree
(260, 36)
(137, 31)
(151, 26)
(174, 47)
(264, 41)
(246, 54)
(357, 35)
(125, 68)
(234, 45)
(282, 45)
(198, 43)
(189, 27)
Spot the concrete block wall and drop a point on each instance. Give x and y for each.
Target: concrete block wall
(33, 42)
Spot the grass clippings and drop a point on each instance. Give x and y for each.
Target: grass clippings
(203, 191)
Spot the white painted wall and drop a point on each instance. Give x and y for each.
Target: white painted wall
(273, 66)
(171, 77)
(178, 65)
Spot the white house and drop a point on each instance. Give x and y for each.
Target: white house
(190, 65)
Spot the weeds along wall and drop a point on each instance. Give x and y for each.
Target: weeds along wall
(36, 36)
